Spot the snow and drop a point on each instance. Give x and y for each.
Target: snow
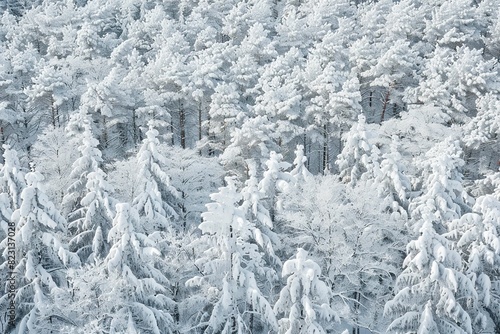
(257, 166)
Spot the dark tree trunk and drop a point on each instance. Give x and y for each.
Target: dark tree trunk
(384, 107)
(182, 125)
(325, 148)
(104, 143)
(135, 131)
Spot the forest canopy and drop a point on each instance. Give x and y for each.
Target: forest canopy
(249, 166)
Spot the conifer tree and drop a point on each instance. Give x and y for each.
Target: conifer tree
(299, 171)
(12, 183)
(226, 113)
(431, 292)
(358, 158)
(305, 300)
(230, 268)
(274, 180)
(252, 141)
(139, 288)
(43, 259)
(481, 135)
(393, 185)
(88, 203)
(263, 234)
(281, 97)
(256, 49)
(454, 80)
(443, 196)
(156, 196)
(12, 177)
(477, 238)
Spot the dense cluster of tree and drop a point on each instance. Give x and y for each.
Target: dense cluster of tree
(229, 166)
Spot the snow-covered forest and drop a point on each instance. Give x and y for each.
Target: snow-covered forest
(249, 166)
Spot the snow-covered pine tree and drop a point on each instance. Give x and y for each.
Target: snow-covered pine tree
(274, 180)
(485, 125)
(359, 158)
(12, 184)
(206, 71)
(225, 113)
(167, 74)
(443, 196)
(139, 288)
(477, 238)
(12, 177)
(108, 102)
(453, 24)
(281, 97)
(431, 293)
(156, 197)
(481, 135)
(392, 184)
(263, 233)
(256, 49)
(53, 155)
(88, 203)
(299, 171)
(5, 224)
(304, 303)
(453, 80)
(229, 269)
(42, 257)
(331, 97)
(195, 178)
(252, 141)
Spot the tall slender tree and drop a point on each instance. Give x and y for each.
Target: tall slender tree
(230, 267)
(43, 259)
(88, 203)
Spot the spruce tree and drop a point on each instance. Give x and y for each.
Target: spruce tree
(230, 268)
(139, 288)
(88, 203)
(43, 259)
(156, 197)
(431, 292)
(304, 302)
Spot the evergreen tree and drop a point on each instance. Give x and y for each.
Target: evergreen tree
(281, 97)
(443, 197)
(225, 115)
(357, 246)
(431, 292)
(274, 180)
(392, 184)
(195, 178)
(156, 196)
(299, 171)
(230, 269)
(305, 300)
(251, 141)
(12, 184)
(331, 96)
(477, 237)
(358, 158)
(43, 259)
(12, 177)
(454, 80)
(139, 288)
(264, 235)
(88, 202)
(255, 50)
(54, 155)
(453, 24)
